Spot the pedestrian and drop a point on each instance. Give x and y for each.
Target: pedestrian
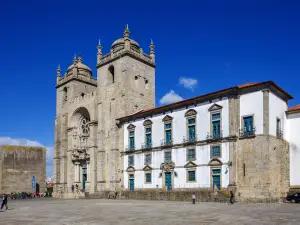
(4, 202)
(72, 187)
(194, 197)
(76, 187)
(231, 197)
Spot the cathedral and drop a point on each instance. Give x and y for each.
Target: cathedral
(109, 136)
(88, 139)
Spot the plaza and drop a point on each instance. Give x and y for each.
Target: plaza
(103, 211)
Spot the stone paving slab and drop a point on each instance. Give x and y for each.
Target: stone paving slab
(102, 211)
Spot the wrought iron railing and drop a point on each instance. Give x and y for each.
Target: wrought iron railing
(166, 142)
(146, 146)
(247, 133)
(279, 133)
(214, 136)
(129, 148)
(189, 140)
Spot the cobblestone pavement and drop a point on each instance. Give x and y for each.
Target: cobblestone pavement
(100, 211)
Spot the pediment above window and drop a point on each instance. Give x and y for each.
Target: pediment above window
(147, 123)
(147, 168)
(190, 164)
(167, 118)
(130, 169)
(130, 127)
(215, 107)
(190, 112)
(215, 162)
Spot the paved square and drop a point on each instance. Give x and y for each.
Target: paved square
(102, 211)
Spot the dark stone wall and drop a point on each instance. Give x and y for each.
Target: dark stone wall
(18, 165)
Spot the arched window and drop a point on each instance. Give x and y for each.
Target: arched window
(65, 95)
(111, 74)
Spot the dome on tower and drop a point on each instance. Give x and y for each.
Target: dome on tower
(121, 43)
(82, 69)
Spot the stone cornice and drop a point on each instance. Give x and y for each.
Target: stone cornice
(92, 81)
(108, 58)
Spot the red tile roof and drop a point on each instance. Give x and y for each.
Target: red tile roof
(239, 87)
(294, 108)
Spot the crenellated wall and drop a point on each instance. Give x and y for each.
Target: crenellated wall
(17, 166)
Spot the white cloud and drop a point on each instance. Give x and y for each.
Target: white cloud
(170, 97)
(188, 83)
(25, 142)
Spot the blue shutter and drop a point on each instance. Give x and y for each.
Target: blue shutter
(169, 137)
(191, 175)
(248, 125)
(191, 133)
(148, 140)
(216, 129)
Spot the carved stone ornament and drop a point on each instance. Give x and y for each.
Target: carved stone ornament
(147, 168)
(215, 107)
(167, 166)
(130, 169)
(130, 127)
(167, 118)
(147, 123)
(215, 162)
(80, 155)
(190, 112)
(190, 164)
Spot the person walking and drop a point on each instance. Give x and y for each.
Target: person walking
(72, 187)
(231, 197)
(4, 202)
(194, 197)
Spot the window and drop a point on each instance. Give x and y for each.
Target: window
(65, 97)
(248, 125)
(216, 125)
(131, 182)
(279, 132)
(168, 133)
(131, 140)
(111, 75)
(192, 176)
(148, 137)
(168, 156)
(215, 151)
(216, 178)
(191, 154)
(191, 130)
(131, 160)
(148, 177)
(147, 159)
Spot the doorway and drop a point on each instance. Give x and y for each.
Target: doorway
(168, 180)
(84, 178)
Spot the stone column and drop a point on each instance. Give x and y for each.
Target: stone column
(88, 171)
(70, 177)
(93, 156)
(266, 111)
(77, 172)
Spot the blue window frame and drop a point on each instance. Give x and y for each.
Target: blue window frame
(148, 159)
(192, 175)
(148, 137)
(131, 140)
(131, 176)
(216, 125)
(192, 130)
(168, 133)
(148, 177)
(216, 178)
(248, 125)
(131, 160)
(191, 154)
(215, 151)
(131, 184)
(168, 156)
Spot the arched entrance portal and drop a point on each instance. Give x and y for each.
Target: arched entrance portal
(80, 139)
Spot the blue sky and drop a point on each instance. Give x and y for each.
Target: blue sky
(201, 46)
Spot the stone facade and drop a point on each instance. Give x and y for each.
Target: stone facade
(18, 165)
(88, 140)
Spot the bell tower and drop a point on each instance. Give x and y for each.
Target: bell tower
(126, 84)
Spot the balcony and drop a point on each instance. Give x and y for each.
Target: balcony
(146, 146)
(166, 143)
(247, 133)
(190, 140)
(279, 134)
(129, 148)
(214, 136)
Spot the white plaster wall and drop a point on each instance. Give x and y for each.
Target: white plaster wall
(252, 104)
(277, 108)
(293, 137)
(179, 128)
(179, 158)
